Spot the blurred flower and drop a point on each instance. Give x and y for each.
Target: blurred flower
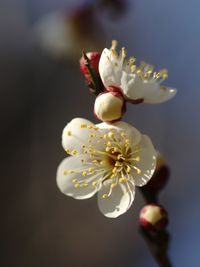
(108, 159)
(64, 34)
(138, 84)
(153, 217)
(109, 106)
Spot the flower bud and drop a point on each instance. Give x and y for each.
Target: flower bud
(153, 217)
(94, 64)
(160, 176)
(109, 106)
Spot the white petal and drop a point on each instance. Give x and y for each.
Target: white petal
(64, 181)
(118, 202)
(131, 86)
(162, 94)
(135, 88)
(110, 68)
(74, 136)
(147, 163)
(131, 132)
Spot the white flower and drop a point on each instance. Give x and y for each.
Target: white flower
(108, 159)
(109, 106)
(54, 35)
(138, 84)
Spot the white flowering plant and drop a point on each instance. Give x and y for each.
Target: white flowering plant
(111, 158)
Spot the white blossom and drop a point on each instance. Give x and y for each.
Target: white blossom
(106, 159)
(137, 83)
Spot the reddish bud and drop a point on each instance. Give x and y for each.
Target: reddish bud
(153, 218)
(94, 58)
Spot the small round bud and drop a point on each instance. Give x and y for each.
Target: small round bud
(109, 106)
(153, 217)
(94, 58)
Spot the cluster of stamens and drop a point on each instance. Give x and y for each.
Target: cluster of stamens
(144, 71)
(108, 156)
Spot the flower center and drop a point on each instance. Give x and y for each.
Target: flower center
(108, 157)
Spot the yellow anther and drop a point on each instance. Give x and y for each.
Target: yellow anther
(120, 156)
(123, 180)
(123, 135)
(113, 176)
(84, 173)
(94, 183)
(114, 44)
(105, 196)
(137, 158)
(77, 186)
(113, 185)
(70, 171)
(69, 133)
(163, 88)
(92, 135)
(107, 149)
(133, 67)
(91, 170)
(109, 143)
(94, 161)
(83, 125)
(68, 151)
(74, 181)
(123, 52)
(114, 170)
(118, 164)
(74, 152)
(90, 127)
(105, 136)
(128, 169)
(85, 184)
(65, 172)
(111, 135)
(127, 141)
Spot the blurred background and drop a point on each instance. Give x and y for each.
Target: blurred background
(41, 89)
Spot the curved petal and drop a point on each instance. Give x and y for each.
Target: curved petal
(75, 135)
(160, 95)
(66, 181)
(131, 86)
(120, 126)
(110, 68)
(147, 163)
(118, 202)
(150, 90)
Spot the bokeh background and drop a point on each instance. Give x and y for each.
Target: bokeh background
(39, 94)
